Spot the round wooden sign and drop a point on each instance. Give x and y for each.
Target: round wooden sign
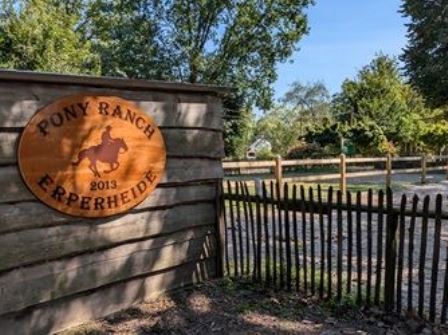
(91, 156)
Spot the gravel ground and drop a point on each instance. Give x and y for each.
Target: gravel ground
(409, 184)
(238, 307)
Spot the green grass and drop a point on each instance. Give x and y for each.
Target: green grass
(301, 274)
(347, 302)
(346, 308)
(288, 305)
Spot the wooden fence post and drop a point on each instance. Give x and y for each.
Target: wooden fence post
(447, 169)
(391, 257)
(424, 169)
(343, 174)
(388, 170)
(220, 229)
(278, 171)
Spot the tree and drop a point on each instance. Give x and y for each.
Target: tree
(436, 136)
(426, 55)
(311, 100)
(223, 42)
(362, 137)
(310, 103)
(368, 139)
(127, 37)
(280, 127)
(41, 35)
(378, 94)
(300, 108)
(239, 127)
(324, 134)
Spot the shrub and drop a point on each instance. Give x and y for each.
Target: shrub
(310, 150)
(265, 154)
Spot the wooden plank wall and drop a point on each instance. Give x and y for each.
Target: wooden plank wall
(57, 271)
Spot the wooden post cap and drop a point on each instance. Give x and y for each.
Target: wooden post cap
(91, 156)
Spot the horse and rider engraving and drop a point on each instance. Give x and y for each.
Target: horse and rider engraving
(106, 152)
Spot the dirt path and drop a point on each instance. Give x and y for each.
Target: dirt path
(238, 307)
(410, 184)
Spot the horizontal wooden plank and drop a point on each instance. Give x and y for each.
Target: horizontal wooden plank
(329, 161)
(365, 160)
(396, 171)
(29, 286)
(45, 78)
(300, 162)
(18, 216)
(68, 312)
(321, 177)
(179, 142)
(177, 170)
(23, 91)
(19, 102)
(335, 176)
(436, 158)
(192, 142)
(37, 245)
(248, 164)
(407, 159)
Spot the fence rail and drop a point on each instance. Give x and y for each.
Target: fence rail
(390, 252)
(278, 164)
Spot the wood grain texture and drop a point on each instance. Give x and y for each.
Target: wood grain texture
(43, 244)
(91, 156)
(71, 311)
(29, 286)
(177, 170)
(16, 216)
(20, 101)
(46, 78)
(179, 142)
(64, 270)
(166, 114)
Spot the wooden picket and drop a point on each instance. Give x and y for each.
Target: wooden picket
(359, 247)
(331, 245)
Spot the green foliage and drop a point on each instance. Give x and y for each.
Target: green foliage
(229, 285)
(232, 43)
(375, 113)
(368, 138)
(302, 106)
(311, 101)
(265, 154)
(239, 127)
(426, 55)
(228, 43)
(324, 134)
(305, 150)
(125, 34)
(223, 42)
(280, 127)
(436, 136)
(379, 96)
(42, 35)
(346, 308)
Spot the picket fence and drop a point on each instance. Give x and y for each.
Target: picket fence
(369, 247)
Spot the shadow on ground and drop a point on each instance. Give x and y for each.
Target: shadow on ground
(239, 307)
